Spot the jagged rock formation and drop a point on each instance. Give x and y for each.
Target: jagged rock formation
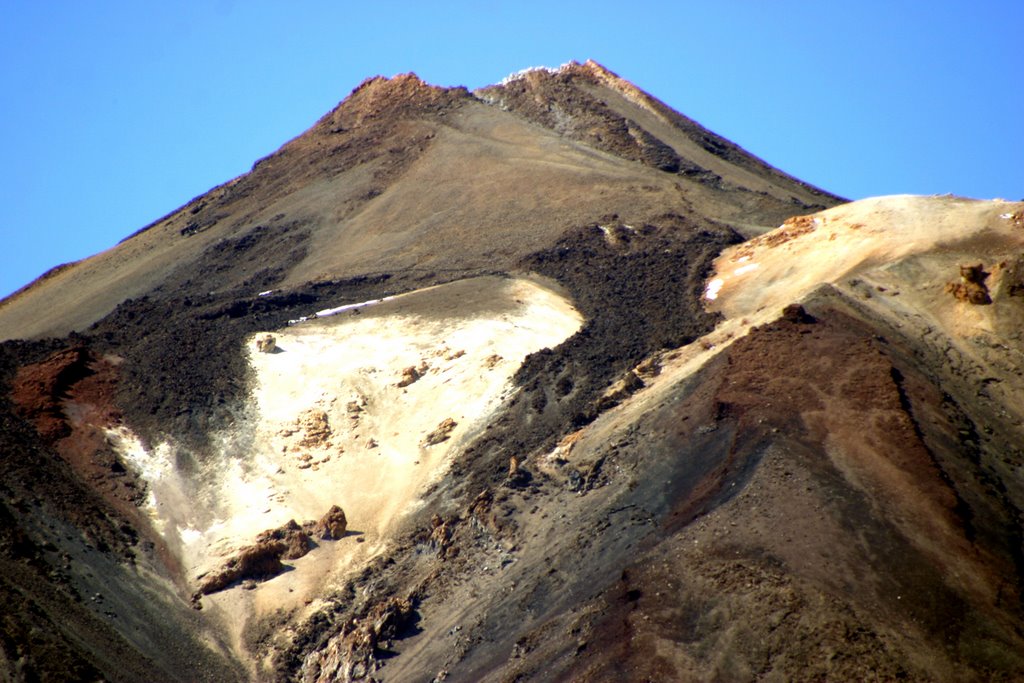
(604, 397)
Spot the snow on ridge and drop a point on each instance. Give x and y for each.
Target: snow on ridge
(327, 312)
(522, 73)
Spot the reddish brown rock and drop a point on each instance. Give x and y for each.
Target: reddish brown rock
(332, 526)
(972, 287)
(296, 539)
(412, 374)
(258, 562)
(442, 433)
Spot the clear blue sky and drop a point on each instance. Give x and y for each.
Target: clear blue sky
(115, 113)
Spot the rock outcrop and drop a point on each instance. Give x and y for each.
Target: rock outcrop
(257, 562)
(262, 560)
(411, 374)
(971, 288)
(295, 538)
(355, 652)
(315, 428)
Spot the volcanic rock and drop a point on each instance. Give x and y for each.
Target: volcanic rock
(315, 428)
(258, 562)
(411, 374)
(442, 433)
(971, 287)
(332, 526)
(795, 313)
(296, 540)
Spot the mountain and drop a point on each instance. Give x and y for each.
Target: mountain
(543, 381)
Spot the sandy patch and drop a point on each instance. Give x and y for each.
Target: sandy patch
(759, 277)
(334, 419)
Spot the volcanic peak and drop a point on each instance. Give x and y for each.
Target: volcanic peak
(552, 428)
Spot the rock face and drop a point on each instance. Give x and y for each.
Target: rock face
(764, 444)
(354, 653)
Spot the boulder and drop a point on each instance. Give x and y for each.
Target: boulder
(296, 539)
(258, 562)
(442, 433)
(332, 526)
(649, 367)
(518, 476)
(266, 344)
(315, 428)
(629, 384)
(795, 313)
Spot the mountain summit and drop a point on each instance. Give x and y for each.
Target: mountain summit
(542, 381)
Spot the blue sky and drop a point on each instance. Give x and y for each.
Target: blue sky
(115, 113)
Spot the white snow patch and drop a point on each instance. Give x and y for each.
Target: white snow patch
(522, 73)
(713, 288)
(747, 268)
(328, 312)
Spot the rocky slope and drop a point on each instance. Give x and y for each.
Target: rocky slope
(539, 382)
